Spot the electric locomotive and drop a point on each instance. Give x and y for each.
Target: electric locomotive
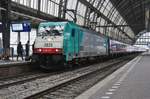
(65, 42)
(61, 43)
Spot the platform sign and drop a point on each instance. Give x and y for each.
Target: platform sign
(26, 27)
(21, 26)
(17, 27)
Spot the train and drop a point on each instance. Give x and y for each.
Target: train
(69, 43)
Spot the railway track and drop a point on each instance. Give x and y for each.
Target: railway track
(22, 78)
(73, 87)
(47, 84)
(6, 82)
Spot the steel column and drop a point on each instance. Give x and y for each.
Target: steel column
(60, 12)
(39, 6)
(6, 25)
(64, 9)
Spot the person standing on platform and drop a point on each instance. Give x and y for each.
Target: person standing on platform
(27, 49)
(12, 53)
(19, 50)
(33, 46)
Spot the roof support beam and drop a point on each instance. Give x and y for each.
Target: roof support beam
(115, 26)
(133, 11)
(15, 7)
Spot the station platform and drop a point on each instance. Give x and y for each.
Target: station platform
(12, 61)
(132, 81)
(14, 67)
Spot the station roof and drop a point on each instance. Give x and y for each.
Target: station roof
(133, 11)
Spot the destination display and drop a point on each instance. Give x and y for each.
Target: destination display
(17, 27)
(21, 26)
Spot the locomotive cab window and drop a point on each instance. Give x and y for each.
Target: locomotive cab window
(51, 30)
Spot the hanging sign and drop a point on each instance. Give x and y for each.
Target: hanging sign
(21, 26)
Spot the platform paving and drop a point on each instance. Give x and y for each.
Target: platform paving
(12, 61)
(132, 81)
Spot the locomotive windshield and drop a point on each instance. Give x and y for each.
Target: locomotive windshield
(51, 31)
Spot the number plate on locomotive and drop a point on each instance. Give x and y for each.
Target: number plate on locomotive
(48, 45)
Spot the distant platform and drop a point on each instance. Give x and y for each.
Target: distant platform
(146, 53)
(132, 81)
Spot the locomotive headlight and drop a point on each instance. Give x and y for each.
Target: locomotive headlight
(39, 50)
(57, 50)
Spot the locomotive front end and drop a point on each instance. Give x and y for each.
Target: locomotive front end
(48, 46)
